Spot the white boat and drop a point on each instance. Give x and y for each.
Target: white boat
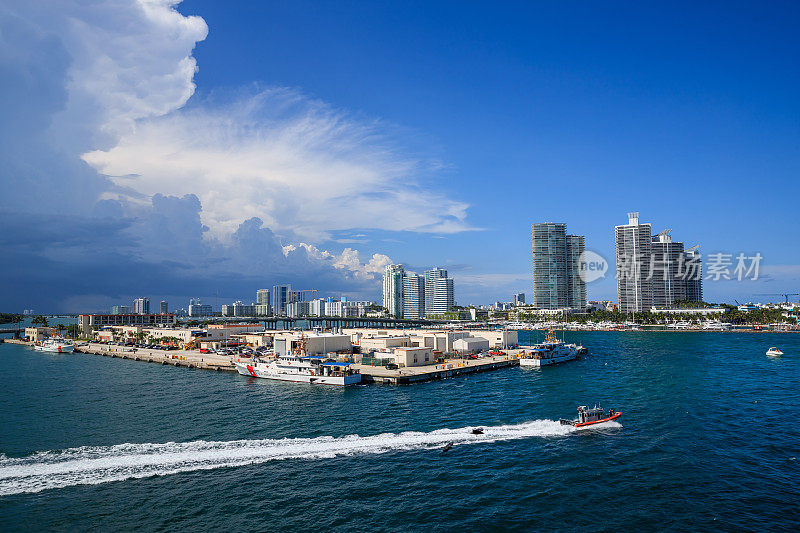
(315, 369)
(774, 352)
(550, 352)
(56, 344)
(716, 325)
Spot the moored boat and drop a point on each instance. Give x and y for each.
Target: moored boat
(56, 344)
(550, 352)
(590, 417)
(312, 369)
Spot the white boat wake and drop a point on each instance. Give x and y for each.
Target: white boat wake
(102, 464)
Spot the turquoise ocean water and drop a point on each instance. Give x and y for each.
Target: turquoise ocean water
(708, 441)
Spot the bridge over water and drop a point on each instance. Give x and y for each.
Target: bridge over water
(339, 322)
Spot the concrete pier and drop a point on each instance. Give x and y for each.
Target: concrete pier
(450, 368)
(188, 358)
(370, 374)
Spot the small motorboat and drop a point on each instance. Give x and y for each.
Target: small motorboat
(589, 417)
(447, 447)
(774, 352)
(477, 431)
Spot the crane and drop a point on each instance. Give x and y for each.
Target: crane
(784, 294)
(299, 296)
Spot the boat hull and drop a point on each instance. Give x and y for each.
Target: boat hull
(254, 371)
(609, 419)
(56, 349)
(548, 361)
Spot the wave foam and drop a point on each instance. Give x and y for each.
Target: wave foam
(102, 464)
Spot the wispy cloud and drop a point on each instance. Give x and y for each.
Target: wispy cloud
(303, 167)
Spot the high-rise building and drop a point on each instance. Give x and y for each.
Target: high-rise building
(519, 299)
(693, 274)
(196, 308)
(439, 294)
(281, 296)
(557, 280)
(317, 307)
(633, 243)
(120, 309)
(141, 306)
(654, 270)
(576, 282)
(164, 307)
(298, 309)
(413, 296)
(262, 297)
(237, 308)
(393, 277)
(665, 264)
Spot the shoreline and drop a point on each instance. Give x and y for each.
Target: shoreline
(193, 359)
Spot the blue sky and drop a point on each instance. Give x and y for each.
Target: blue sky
(464, 122)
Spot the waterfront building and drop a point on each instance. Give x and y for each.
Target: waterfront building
(633, 243)
(665, 272)
(654, 271)
(89, 323)
(36, 334)
(263, 309)
(576, 281)
(164, 307)
(141, 306)
(393, 277)
(413, 296)
(557, 279)
(471, 344)
(314, 343)
(439, 293)
(281, 296)
(120, 309)
(183, 335)
(693, 275)
(437, 339)
(519, 299)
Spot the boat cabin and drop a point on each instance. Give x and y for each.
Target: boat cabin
(591, 415)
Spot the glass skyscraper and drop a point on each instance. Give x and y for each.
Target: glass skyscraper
(393, 277)
(557, 280)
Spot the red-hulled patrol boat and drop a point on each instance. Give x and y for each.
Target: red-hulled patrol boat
(589, 417)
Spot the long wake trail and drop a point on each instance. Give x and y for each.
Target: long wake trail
(102, 464)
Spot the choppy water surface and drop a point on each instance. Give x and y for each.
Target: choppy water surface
(707, 440)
